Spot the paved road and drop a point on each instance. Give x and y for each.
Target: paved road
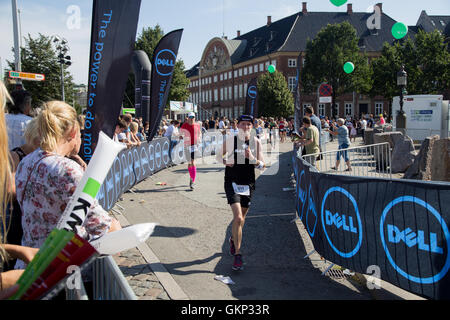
(191, 240)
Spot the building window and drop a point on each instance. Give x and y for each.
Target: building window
(240, 90)
(235, 91)
(235, 73)
(225, 76)
(215, 79)
(378, 108)
(322, 109)
(349, 109)
(245, 89)
(210, 96)
(230, 95)
(292, 63)
(261, 67)
(292, 83)
(240, 72)
(274, 62)
(216, 95)
(221, 95)
(221, 77)
(250, 70)
(229, 75)
(245, 71)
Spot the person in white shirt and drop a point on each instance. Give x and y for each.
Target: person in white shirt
(363, 123)
(18, 117)
(173, 134)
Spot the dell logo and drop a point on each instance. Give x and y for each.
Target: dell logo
(344, 222)
(412, 239)
(165, 62)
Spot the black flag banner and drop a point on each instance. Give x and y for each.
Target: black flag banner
(251, 101)
(113, 34)
(297, 109)
(163, 64)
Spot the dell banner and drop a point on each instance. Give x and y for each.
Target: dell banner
(113, 33)
(163, 64)
(251, 101)
(398, 228)
(297, 109)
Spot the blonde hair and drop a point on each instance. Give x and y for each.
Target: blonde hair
(5, 167)
(134, 127)
(32, 132)
(54, 123)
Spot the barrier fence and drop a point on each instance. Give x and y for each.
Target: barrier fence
(398, 227)
(365, 161)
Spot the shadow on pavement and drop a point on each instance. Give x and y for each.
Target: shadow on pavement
(273, 251)
(172, 232)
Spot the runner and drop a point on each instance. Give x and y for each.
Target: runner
(241, 154)
(191, 134)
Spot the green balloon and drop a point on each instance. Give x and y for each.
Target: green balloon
(399, 30)
(271, 68)
(349, 67)
(338, 3)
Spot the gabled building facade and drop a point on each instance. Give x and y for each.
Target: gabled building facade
(219, 81)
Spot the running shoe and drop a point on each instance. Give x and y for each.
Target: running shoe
(238, 263)
(232, 248)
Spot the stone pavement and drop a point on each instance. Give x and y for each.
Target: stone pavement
(139, 275)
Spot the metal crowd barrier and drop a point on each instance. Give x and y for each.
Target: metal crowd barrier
(365, 161)
(108, 283)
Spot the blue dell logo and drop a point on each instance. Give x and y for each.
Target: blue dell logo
(252, 92)
(344, 226)
(165, 62)
(428, 248)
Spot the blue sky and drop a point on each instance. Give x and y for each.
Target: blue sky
(200, 19)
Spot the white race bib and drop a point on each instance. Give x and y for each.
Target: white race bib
(241, 190)
(193, 148)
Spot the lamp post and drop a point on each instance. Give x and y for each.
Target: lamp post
(402, 81)
(62, 49)
(200, 87)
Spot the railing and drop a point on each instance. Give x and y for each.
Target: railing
(365, 161)
(108, 283)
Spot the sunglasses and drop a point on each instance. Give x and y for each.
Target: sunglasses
(191, 117)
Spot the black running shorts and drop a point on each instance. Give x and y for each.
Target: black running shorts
(233, 198)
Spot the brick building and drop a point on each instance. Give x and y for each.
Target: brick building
(219, 81)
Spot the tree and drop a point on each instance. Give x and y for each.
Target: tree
(147, 42)
(274, 97)
(325, 57)
(39, 56)
(427, 62)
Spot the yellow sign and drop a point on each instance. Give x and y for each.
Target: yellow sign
(27, 76)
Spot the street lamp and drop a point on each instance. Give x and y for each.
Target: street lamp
(200, 86)
(402, 81)
(62, 49)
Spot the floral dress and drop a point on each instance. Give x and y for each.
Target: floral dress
(45, 183)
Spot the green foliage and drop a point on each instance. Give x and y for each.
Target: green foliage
(274, 97)
(326, 56)
(426, 60)
(178, 89)
(39, 56)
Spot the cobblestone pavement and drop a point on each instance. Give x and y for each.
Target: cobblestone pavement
(140, 277)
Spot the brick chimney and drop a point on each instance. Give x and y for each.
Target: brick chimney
(269, 20)
(304, 9)
(239, 33)
(349, 8)
(380, 5)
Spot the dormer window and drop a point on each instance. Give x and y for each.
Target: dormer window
(272, 35)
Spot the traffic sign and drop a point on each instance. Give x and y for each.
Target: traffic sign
(325, 90)
(325, 99)
(26, 76)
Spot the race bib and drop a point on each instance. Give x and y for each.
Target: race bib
(241, 190)
(193, 148)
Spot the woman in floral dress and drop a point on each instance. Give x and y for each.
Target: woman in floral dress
(46, 179)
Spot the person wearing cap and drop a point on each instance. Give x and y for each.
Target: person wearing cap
(191, 134)
(241, 154)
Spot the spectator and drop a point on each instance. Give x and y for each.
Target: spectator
(211, 124)
(134, 133)
(121, 126)
(370, 121)
(344, 143)
(352, 129)
(18, 116)
(173, 134)
(309, 112)
(8, 279)
(46, 179)
(363, 124)
(311, 140)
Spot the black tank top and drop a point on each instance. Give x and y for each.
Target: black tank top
(242, 173)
